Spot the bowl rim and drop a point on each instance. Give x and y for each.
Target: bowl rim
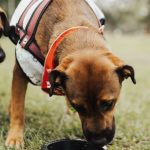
(65, 140)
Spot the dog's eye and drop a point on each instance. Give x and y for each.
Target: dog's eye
(107, 105)
(80, 109)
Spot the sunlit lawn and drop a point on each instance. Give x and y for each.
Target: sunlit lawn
(47, 120)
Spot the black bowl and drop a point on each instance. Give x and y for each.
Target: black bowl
(71, 145)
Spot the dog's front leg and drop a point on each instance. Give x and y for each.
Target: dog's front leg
(19, 86)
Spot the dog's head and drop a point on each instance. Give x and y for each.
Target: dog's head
(92, 83)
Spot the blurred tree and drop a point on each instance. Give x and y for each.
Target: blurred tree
(11, 7)
(147, 18)
(126, 15)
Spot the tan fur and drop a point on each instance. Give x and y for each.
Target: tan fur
(79, 55)
(1, 24)
(1, 21)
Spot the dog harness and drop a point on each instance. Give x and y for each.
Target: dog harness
(28, 54)
(49, 61)
(25, 20)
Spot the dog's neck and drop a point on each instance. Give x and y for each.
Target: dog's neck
(81, 40)
(56, 20)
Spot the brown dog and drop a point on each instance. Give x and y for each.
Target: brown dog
(88, 72)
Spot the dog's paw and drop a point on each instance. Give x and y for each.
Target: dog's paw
(15, 139)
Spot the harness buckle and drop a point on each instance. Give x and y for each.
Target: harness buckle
(25, 40)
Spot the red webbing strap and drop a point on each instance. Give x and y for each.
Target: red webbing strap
(35, 50)
(20, 22)
(27, 37)
(34, 21)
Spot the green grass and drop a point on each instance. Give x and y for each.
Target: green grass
(46, 118)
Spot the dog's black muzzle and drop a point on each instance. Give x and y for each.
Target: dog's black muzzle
(101, 138)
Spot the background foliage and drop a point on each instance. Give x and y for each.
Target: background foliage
(127, 15)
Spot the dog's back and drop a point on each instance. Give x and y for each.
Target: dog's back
(60, 15)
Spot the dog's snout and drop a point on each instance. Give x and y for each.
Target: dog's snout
(100, 142)
(102, 138)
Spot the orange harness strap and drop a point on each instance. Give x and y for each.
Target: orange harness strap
(49, 61)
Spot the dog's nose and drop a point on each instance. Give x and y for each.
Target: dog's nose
(102, 138)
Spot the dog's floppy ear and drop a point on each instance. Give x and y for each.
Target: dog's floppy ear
(57, 80)
(126, 71)
(58, 76)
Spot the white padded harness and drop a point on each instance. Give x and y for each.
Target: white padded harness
(29, 64)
